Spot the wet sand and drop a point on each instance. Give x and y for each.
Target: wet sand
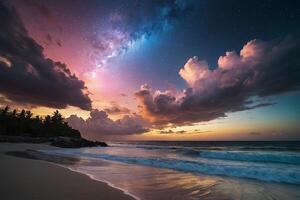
(30, 179)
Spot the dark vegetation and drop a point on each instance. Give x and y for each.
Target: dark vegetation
(23, 127)
(14, 123)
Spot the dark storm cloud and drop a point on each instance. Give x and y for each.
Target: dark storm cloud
(27, 76)
(4, 102)
(99, 124)
(261, 69)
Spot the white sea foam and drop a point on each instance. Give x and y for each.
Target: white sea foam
(260, 171)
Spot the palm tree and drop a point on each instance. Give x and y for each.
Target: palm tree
(4, 111)
(4, 127)
(28, 114)
(22, 123)
(22, 114)
(47, 120)
(57, 118)
(14, 113)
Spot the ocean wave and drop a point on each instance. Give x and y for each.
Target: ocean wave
(251, 156)
(274, 173)
(146, 146)
(198, 147)
(226, 146)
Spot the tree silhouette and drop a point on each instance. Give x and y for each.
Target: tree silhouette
(14, 123)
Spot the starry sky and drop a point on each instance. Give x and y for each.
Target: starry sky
(156, 70)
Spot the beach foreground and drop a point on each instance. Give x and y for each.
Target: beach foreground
(32, 179)
(152, 171)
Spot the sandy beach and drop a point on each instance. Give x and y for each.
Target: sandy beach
(29, 179)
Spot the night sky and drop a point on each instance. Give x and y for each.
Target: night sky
(156, 70)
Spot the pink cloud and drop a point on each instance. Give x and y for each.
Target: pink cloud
(260, 69)
(100, 125)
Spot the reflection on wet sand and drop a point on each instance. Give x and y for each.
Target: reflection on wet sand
(153, 183)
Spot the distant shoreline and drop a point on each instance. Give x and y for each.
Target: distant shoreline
(32, 179)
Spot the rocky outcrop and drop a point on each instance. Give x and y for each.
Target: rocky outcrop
(63, 142)
(66, 142)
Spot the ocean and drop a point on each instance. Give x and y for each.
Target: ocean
(194, 170)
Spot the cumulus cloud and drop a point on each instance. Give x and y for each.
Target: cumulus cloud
(99, 124)
(172, 132)
(136, 20)
(27, 76)
(259, 70)
(116, 109)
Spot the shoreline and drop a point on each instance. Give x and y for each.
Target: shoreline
(24, 178)
(102, 181)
